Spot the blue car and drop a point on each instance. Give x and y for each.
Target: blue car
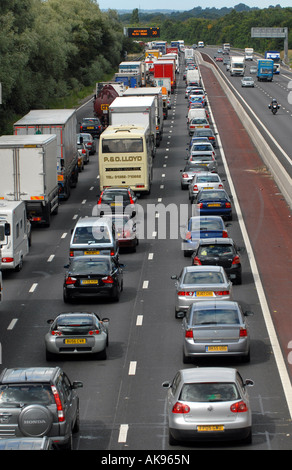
(202, 227)
(214, 202)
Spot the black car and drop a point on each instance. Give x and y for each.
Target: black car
(91, 126)
(93, 276)
(219, 252)
(117, 199)
(37, 402)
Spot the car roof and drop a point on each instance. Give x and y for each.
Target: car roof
(201, 268)
(206, 374)
(212, 304)
(215, 241)
(89, 221)
(28, 374)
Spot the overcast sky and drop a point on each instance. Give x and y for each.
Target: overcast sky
(184, 6)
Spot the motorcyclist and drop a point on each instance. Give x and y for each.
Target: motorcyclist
(274, 102)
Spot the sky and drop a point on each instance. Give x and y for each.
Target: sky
(186, 5)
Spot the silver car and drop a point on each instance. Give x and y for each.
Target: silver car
(188, 173)
(206, 159)
(208, 403)
(213, 328)
(77, 333)
(204, 180)
(200, 283)
(247, 82)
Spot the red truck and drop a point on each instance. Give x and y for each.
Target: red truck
(165, 69)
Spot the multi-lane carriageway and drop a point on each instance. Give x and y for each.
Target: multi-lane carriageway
(122, 403)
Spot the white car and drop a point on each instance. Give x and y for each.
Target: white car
(247, 82)
(204, 180)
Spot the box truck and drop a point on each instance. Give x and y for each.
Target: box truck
(237, 65)
(166, 69)
(29, 174)
(133, 110)
(265, 70)
(248, 53)
(157, 93)
(63, 123)
(16, 229)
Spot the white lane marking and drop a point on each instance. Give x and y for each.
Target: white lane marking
(50, 258)
(64, 235)
(123, 433)
(33, 287)
(75, 216)
(12, 324)
(132, 367)
(139, 320)
(145, 285)
(84, 201)
(150, 256)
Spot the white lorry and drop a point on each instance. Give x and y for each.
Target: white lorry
(137, 111)
(29, 174)
(237, 65)
(63, 123)
(157, 93)
(248, 53)
(193, 78)
(15, 234)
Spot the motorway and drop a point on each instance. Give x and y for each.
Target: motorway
(122, 402)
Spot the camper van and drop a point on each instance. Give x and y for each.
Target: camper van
(16, 229)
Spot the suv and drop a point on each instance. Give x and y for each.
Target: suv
(37, 402)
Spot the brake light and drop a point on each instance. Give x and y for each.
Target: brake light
(94, 332)
(100, 198)
(221, 292)
(83, 151)
(185, 175)
(107, 280)
(200, 205)
(71, 254)
(189, 333)
(227, 205)
(224, 234)
(220, 186)
(61, 417)
(70, 280)
(188, 236)
(236, 260)
(180, 408)
(239, 407)
(7, 260)
(56, 333)
(196, 261)
(242, 332)
(195, 188)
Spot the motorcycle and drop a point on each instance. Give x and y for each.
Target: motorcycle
(274, 108)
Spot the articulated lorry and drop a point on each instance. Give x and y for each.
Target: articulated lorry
(29, 174)
(62, 123)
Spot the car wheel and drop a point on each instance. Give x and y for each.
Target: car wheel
(102, 354)
(116, 296)
(50, 356)
(77, 421)
(239, 279)
(186, 359)
(19, 266)
(67, 298)
(171, 440)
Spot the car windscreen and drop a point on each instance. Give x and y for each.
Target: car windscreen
(215, 317)
(209, 392)
(204, 277)
(17, 395)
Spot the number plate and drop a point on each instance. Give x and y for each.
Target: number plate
(210, 428)
(91, 252)
(204, 294)
(213, 205)
(75, 341)
(84, 282)
(216, 348)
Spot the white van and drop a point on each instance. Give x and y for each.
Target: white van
(15, 245)
(196, 112)
(93, 236)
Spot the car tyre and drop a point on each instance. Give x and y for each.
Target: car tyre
(77, 421)
(171, 440)
(66, 298)
(50, 356)
(186, 359)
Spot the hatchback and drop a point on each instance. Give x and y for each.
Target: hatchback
(88, 141)
(117, 199)
(206, 159)
(92, 126)
(198, 123)
(208, 403)
(37, 402)
(219, 252)
(214, 202)
(188, 173)
(204, 180)
(93, 276)
(215, 328)
(202, 227)
(206, 133)
(200, 283)
(77, 333)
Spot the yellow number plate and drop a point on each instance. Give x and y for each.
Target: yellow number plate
(216, 348)
(89, 281)
(213, 205)
(210, 428)
(91, 252)
(204, 294)
(75, 341)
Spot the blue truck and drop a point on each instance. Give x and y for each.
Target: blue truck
(265, 70)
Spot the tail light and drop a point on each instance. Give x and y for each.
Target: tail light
(239, 407)
(197, 261)
(7, 260)
(219, 293)
(185, 175)
(61, 417)
(107, 280)
(56, 333)
(220, 186)
(94, 332)
(83, 151)
(227, 205)
(180, 408)
(200, 205)
(195, 188)
(242, 332)
(224, 234)
(100, 198)
(188, 236)
(71, 254)
(236, 260)
(189, 333)
(70, 280)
